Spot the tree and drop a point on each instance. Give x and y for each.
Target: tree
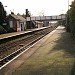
(68, 21)
(23, 15)
(2, 14)
(18, 13)
(12, 12)
(71, 19)
(27, 13)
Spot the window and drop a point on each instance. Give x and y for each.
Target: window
(11, 24)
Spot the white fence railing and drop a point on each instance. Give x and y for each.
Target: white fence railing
(59, 17)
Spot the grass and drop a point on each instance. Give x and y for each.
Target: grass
(55, 57)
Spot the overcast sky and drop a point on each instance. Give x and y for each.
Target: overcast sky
(37, 7)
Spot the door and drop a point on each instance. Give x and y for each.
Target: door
(22, 26)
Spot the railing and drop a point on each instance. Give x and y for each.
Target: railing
(2, 30)
(38, 18)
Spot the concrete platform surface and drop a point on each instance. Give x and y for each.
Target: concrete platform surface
(7, 35)
(52, 55)
(12, 34)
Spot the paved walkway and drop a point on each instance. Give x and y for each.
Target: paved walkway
(53, 55)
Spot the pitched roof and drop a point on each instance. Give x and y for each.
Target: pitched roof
(18, 17)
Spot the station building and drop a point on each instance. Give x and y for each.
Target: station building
(17, 22)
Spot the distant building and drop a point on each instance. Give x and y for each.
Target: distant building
(46, 23)
(39, 24)
(17, 22)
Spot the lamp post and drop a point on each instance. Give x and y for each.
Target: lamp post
(68, 4)
(67, 17)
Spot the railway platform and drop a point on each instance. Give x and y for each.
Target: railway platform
(8, 35)
(54, 54)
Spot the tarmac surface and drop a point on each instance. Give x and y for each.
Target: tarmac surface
(52, 55)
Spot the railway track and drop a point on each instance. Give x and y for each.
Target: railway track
(12, 48)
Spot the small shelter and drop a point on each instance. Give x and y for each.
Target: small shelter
(17, 22)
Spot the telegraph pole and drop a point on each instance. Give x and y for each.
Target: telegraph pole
(67, 17)
(27, 19)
